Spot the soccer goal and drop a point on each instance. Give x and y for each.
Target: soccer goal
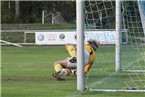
(118, 66)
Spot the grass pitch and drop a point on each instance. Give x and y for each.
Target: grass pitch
(27, 72)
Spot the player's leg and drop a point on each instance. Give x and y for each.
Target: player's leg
(63, 67)
(71, 50)
(58, 67)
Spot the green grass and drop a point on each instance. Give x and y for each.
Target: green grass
(27, 72)
(104, 69)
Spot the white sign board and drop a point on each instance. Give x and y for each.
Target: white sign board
(55, 38)
(63, 37)
(104, 37)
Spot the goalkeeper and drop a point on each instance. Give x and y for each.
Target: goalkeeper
(65, 67)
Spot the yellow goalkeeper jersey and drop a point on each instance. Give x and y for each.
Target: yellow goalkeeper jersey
(91, 52)
(72, 51)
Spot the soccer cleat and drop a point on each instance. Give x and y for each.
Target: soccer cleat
(57, 77)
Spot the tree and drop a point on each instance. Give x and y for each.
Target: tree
(31, 11)
(17, 11)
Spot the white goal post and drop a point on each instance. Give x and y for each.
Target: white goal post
(139, 81)
(118, 35)
(80, 45)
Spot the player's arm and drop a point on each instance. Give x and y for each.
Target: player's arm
(87, 68)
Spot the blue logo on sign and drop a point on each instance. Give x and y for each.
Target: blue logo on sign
(61, 36)
(40, 37)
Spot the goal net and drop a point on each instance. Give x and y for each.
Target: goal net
(100, 17)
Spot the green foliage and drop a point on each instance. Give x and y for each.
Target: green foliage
(31, 11)
(7, 12)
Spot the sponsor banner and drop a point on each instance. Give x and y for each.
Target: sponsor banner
(62, 37)
(53, 38)
(104, 37)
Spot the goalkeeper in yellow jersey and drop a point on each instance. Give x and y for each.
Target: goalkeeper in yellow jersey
(65, 67)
